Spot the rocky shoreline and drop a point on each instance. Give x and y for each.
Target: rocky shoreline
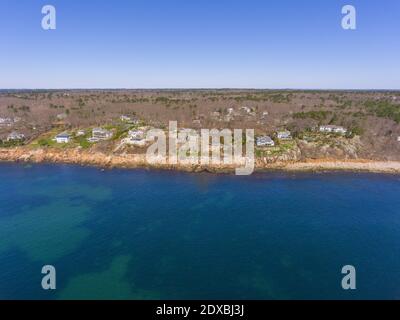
(89, 158)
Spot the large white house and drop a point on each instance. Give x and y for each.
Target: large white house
(332, 129)
(101, 134)
(63, 138)
(136, 137)
(15, 136)
(80, 133)
(128, 119)
(284, 135)
(265, 141)
(6, 122)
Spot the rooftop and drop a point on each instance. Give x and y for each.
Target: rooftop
(63, 135)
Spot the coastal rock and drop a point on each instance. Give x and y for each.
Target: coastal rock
(292, 161)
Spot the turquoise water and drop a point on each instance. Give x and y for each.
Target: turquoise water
(137, 234)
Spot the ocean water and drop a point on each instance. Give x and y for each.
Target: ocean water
(138, 234)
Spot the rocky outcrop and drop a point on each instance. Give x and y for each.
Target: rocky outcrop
(289, 161)
(339, 148)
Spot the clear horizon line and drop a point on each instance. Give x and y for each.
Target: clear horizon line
(203, 88)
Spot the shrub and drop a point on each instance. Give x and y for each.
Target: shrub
(315, 115)
(384, 109)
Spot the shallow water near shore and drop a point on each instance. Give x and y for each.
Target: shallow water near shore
(140, 234)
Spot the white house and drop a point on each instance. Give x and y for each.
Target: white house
(398, 139)
(80, 133)
(6, 122)
(101, 134)
(63, 138)
(340, 130)
(15, 136)
(136, 137)
(128, 119)
(265, 141)
(92, 140)
(284, 135)
(332, 128)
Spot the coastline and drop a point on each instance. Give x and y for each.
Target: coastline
(98, 159)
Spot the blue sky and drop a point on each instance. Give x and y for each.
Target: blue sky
(200, 44)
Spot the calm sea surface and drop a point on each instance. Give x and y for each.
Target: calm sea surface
(137, 234)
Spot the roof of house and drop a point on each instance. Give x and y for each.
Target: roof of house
(264, 139)
(135, 131)
(16, 135)
(63, 135)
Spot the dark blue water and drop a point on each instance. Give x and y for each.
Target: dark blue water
(136, 234)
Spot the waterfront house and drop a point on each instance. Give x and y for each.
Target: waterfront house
(340, 130)
(80, 133)
(136, 135)
(129, 119)
(15, 136)
(332, 129)
(6, 122)
(92, 140)
(284, 135)
(265, 141)
(101, 134)
(63, 138)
